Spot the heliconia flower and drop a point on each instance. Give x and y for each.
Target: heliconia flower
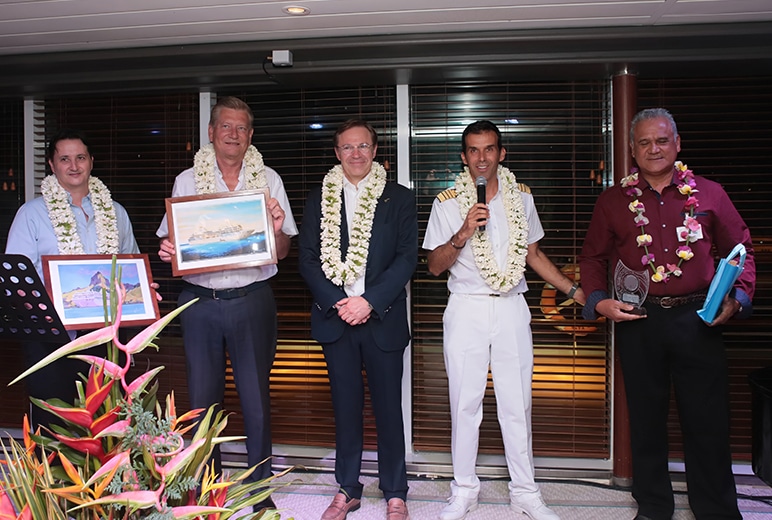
(180, 459)
(636, 206)
(641, 220)
(141, 382)
(684, 252)
(139, 342)
(79, 416)
(106, 420)
(643, 240)
(84, 445)
(96, 395)
(7, 512)
(92, 339)
(116, 429)
(182, 512)
(645, 259)
(674, 270)
(110, 467)
(132, 500)
(110, 368)
(29, 444)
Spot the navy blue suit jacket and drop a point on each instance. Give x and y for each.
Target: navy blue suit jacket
(391, 261)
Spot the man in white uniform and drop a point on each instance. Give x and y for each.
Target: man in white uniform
(487, 321)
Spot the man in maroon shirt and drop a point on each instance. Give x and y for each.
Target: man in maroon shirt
(665, 220)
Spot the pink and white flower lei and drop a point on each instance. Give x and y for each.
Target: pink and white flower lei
(688, 187)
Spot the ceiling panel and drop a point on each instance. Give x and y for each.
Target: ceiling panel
(32, 26)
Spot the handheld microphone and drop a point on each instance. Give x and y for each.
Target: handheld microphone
(481, 183)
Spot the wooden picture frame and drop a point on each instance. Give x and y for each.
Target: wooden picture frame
(75, 283)
(227, 230)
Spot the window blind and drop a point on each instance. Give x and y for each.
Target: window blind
(555, 142)
(293, 131)
(726, 135)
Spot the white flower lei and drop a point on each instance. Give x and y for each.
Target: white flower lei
(204, 163)
(63, 219)
(517, 225)
(338, 272)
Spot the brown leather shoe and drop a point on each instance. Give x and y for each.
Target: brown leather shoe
(396, 509)
(340, 506)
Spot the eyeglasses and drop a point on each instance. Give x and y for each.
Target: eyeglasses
(348, 149)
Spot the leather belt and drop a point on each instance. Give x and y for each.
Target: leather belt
(667, 302)
(223, 294)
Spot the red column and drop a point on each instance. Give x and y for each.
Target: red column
(624, 103)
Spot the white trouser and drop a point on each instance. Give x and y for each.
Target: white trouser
(481, 331)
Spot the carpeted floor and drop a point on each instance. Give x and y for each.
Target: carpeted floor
(310, 493)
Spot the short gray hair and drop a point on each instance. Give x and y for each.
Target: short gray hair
(652, 113)
(233, 103)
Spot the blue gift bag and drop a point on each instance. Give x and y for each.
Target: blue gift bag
(725, 277)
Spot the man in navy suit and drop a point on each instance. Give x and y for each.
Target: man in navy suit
(358, 249)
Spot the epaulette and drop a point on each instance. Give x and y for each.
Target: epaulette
(523, 187)
(450, 193)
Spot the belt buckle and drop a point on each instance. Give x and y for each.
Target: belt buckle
(666, 302)
(214, 294)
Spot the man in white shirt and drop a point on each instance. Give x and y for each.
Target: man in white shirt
(487, 322)
(72, 199)
(236, 310)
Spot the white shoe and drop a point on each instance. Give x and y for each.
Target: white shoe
(458, 507)
(533, 506)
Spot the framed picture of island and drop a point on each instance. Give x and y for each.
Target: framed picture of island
(76, 284)
(227, 230)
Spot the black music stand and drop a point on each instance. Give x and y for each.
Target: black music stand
(26, 311)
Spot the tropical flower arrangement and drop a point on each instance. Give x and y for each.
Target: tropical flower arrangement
(687, 186)
(122, 455)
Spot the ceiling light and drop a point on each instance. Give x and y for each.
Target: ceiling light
(296, 10)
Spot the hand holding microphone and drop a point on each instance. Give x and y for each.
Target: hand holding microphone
(481, 183)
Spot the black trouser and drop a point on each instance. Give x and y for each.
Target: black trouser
(673, 346)
(345, 359)
(246, 328)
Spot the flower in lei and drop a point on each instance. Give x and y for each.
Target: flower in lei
(204, 165)
(63, 219)
(517, 225)
(687, 187)
(336, 270)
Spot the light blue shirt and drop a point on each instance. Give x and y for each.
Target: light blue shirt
(32, 233)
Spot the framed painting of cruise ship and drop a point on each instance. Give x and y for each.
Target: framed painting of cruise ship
(227, 230)
(77, 283)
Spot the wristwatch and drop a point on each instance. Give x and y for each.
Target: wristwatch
(454, 244)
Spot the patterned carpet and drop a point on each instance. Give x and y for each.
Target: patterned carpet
(310, 493)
